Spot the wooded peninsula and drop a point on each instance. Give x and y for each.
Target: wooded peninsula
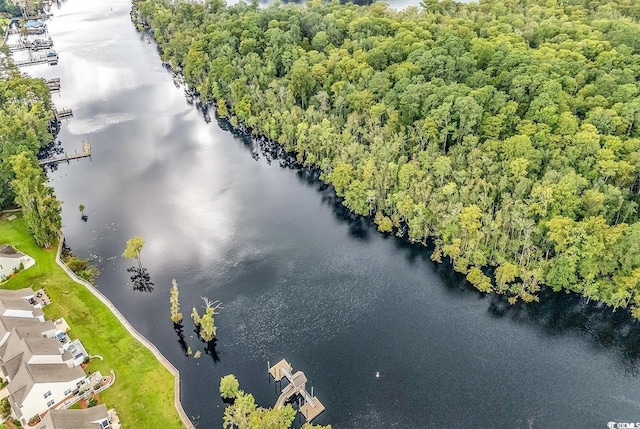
(507, 133)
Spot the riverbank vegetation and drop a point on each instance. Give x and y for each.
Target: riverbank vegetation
(505, 133)
(81, 267)
(25, 119)
(143, 393)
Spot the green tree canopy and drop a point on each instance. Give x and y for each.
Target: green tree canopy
(507, 134)
(133, 248)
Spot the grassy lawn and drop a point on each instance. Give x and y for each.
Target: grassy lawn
(144, 390)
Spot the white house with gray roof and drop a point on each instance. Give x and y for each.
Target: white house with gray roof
(31, 347)
(20, 303)
(37, 387)
(92, 418)
(40, 367)
(7, 324)
(10, 260)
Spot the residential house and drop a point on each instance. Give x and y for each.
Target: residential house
(46, 329)
(20, 303)
(29, 347)
(38, 387)
(37, 359)
(10, 260)
(91, 418)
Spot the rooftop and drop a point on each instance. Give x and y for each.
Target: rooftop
(30, 374)
(75, 419)
(7, 251)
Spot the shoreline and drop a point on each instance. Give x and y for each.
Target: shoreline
(134, 333)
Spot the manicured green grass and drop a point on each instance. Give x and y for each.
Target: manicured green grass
(144, 390)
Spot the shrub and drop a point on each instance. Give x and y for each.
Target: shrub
(92, 402)
(81, 267)
(5, 408)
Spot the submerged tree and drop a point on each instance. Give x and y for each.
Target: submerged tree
(196, 317)
(229, 387)
(140, 276)
(176, 316)
(133, 249)
(83, 216)
(207, 326)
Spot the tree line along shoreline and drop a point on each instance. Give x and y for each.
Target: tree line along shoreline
(505, 134)
(26, 115)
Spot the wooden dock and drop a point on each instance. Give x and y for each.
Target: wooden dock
(53, 84)
(86, 153)
(45, 59)
(62, 114)
(33, 45)
(37, 30)
(312, 406)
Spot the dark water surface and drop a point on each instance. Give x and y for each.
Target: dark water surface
(297, 278)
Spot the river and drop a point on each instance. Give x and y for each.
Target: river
(298, 278)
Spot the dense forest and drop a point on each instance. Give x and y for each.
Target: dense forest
(506, 133)
(25, 116)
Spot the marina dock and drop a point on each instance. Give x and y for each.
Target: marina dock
(312, 406)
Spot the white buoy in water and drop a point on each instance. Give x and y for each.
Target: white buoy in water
(377, 374)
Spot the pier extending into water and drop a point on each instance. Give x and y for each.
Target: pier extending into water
(86, 153)
(52, 60)
(33, 45)
(53, 84)
(62, 114)
(312, 406)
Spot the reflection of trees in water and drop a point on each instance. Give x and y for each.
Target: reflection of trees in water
(179, 329)
(141, 279)
(565, 314)
(50, 151)
(210, 349)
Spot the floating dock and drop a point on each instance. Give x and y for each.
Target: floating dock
(86, 153)
(312, 406)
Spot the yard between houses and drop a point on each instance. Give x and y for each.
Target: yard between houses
(144, 389)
